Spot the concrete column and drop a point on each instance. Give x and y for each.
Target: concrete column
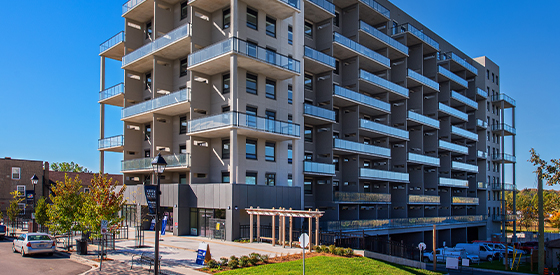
(102, 115)
(233, 157)
(297, 106)
(234, 18)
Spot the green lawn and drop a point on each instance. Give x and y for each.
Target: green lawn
(332, 265)
(497, 265)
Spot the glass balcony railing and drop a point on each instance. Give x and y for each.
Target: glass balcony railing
(319, 56)
(173, 161)
(160, 102)
(319, 168)
(309, 109)
(465, 200)
(361, 98)
(130, 5)
(422, 159)
(507, 186)
(244, 120)
(111, 91)
(156, 45)
(243, 47)
(116, 39)
(481, 123)
(504, 157)
(424, 80)
(464, 167)
(110, 142)
(365, 51)
(365, 75)
(456, 58)
(482, 92)
(481, 154)
(504, 127)
(422, 119)
(505, 98)
(361, 148)
(383, 129)
(467, 101)
(356, 197)
(328, 6)
(423, 199)
(482, 185)
(378, 7)
(420, 34)
(453, 182)
(453, 112)
(464, 133)
(293, 3)
(383, 175)
(383, 37)
(453, 76)
(453, 147)
(500, 218)
(398, 223)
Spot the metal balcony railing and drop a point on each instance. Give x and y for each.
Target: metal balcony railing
(467, 101)
(116, 39)
(422, 119)
(456, 58)
(319, 56)
(383, 129)
(356, 197)
(407, 27)
(365, 75)
(456, 165)
(423, 159)
(383, 37)
(328, 6)
(399, 222)
(423, 199)
(465, 200)
(309, 109)
(363, 50)
(318, 168)
(464, 133)
(505, 98)
(453, 182)
(361, 98)
(108, 142)
(422, 79)
(453, 112)
(111, 91)
(361, 148)
(156, 103)
(453, 147)
(382, 174)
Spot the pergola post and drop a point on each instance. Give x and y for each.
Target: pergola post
(283, 231)
(310, 232)
(291, 233)
(317, 228)
(251, 226)
(258, 228)
(273, 229)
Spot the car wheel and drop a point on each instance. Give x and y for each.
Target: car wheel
(489, 258)
(22, 252)
(14, 249)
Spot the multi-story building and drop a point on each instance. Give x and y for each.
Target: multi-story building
(353, 108)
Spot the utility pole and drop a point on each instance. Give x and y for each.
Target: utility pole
(541, 223)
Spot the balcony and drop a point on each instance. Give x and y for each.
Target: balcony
(376, 40)
(279, 9)
(376, 84)
(453, 112)
(508, 101)
(215, 59)
(317, 62)
(464, 201)
(113, 95)
(452, 147)
(318, 10)
(382, 175)
(506, 158)
(172, 45)
(113, 144)
(316, 115)
(481, 93)
(344, 97)
(463, 133)
(382, 130)
(415, 79)
(482, 185)
(507, 129)
(481, 124)
(401, 223)
(170, 105)
(316, 168)
(423, 199)
(370, 10)
(248, 125)
(500, 218)
(174, 162)
(507, 186)
(355, 197)
(457, 63)
(138, 10)
(464, 100)
(113, 48)
(422, 119)
(424, 160)
(360, 148)
(481, 154)
(456, 81)
(416, 36)
(461, 166)
(344, 48)
(453, 183)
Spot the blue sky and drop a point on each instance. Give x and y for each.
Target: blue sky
(50, 72)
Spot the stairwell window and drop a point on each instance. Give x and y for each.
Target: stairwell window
(225, 177)
(148, 81)
(183, 67)
(225, 83)
(225, 148)
(183, 125)
(149, 30)
(308, 30)
(308, 134)
(184, 9)
(226, 18)
(308, 82)
(290, 153)
(147, 131)
(270, 179)
(270, 26)
(308, 186)
(252, 17)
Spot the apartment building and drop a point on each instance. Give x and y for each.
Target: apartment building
(350, 107)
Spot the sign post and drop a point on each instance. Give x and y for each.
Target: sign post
(421, 247)
(104, 224)
(303, 242)
(203, 253)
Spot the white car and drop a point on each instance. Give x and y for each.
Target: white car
(34, 243)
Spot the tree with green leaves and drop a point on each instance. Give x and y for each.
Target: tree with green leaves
(68, 167)
(13, 208)
(63, 213)
(41, 216)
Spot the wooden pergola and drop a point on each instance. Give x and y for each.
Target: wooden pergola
(282, 213)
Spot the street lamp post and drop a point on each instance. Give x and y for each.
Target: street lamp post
(158, 165)
(34, 181)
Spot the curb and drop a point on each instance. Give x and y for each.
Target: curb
(500, 271)
(84, 261)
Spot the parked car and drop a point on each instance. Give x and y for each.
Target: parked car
(500, 247)
(481, 250)
(2, 231)
(527, 246)
(443, 253)
(34, 243)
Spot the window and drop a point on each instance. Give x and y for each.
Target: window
(149, 30)
(492, 77)
(308, 29)
(308, 134)
(252, 16)
(184, 10)
(271, 89)
(336, 114)
(146, 153)
(367, 164)
(22, 210)
(271, 56)
(21, 190)
(225, 177)
(308, 156)
(290, 34)
(251, 178)
(182, 178)
(226, 18)
(225, 84)
(337, 67)
(251, 49)
(290, 118)
(183, 67)
(251, 83)
(337, 19)
(290, 152)
(147, 131)
(290, 94)
(270, 26)
(488, 166)
(290, 183)
(147, 179)
(251, 116)
(497, 82)
(183, 125)
(225, 148)
(200, 175)
(270, 120)
(183, 148)
(16, 173)
(336, 161)
(270, 179)
(251, 149)
(225, 109)
(308, 82)
(308, 186)
(335, 185)
(488, 74)
(148, 82)
(86, 190)
(269, 151)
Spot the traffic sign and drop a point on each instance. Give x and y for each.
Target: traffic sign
(303, 240)
(104, 224)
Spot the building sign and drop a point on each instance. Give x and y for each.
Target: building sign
(203, 253)
(150, 191)
(29, 195)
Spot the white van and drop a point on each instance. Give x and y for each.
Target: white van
(483, 251)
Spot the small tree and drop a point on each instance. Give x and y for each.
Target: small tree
(67, 200)
(13, 207)
(68, 167)
(41, 216)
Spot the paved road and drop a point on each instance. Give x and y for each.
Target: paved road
(59, 263)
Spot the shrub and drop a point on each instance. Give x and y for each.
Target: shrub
(223, 261)
(264, 258)
(254, 258)
(332, 247)
(233, 258)
(318, 249)
(339, 251)
(212, 264)
(244, 261)
(348, 252)
(233, 263)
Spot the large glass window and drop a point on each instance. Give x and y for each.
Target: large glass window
(270, 179)
(225, 148)
(271, 26)
(271, 89)
(308, 134)
(308, 186)
(251, 178)
(308, 82)
(251, 149)
(183, 67)
(251, 83)
(225, 84)
(252, 17)
(184, 9)
(270, 151)
(183, 125)
(290, 34)
(290, 152)
(251, 116)
(226, 18)
(308, 29)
